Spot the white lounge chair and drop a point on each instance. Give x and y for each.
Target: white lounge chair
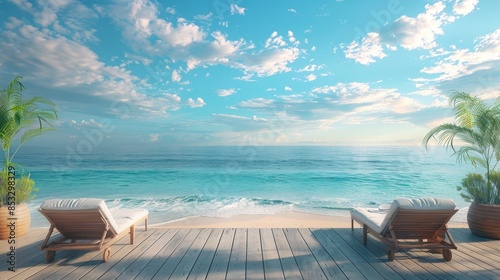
(88, 224)
(418, 223)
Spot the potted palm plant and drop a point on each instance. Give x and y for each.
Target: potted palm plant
(20, 121)
(477, 127)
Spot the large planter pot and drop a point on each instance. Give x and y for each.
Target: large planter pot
(21, 220)
(484, 220)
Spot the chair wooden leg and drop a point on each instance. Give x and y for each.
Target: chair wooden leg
(51, 230)
(132, 234)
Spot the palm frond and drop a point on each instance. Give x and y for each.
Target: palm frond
(30, 134)
(20, 115)
(477, 127)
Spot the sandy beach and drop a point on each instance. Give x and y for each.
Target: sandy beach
(279, 220)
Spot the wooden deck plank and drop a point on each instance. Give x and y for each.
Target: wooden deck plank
(63, 259)
(26, 243)
(218, 269)
(379, 264)
(27, 249)
(471, 254)
(380, 251)
(156, 241)
(290, 267)
(202, 264)
(24, 261)
(343, 262)
(308, 266)
(476, 260)
(419, 263)
(186, 265)
(91, 257)
(479, 245)
(439, 267)
(169, 245)
(255, 253)
(270, 256)
(470, 268)
(255, 264)
(39, 264)
(355, 258)
(119, 250)
(327, 264)
(176, 255)
(163, 254)
(238, 260)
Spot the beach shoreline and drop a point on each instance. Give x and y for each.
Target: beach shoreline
(289, 219)
(285, 219)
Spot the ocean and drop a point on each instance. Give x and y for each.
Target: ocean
(175, 183)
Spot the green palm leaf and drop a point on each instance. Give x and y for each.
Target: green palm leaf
(474, 138)
(26, 118)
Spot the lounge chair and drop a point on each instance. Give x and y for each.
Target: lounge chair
(409, 224)
(88, 224)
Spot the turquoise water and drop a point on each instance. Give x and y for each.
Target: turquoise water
(183, 182)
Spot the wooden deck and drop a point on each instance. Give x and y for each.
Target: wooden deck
(249, 253)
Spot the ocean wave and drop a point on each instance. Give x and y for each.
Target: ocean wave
(173, 208)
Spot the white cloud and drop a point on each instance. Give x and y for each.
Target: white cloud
(196, 104)
(420, 32)
(176, 77)
(226, 92)
(142, 28)
(489, 93)
(291, 38)
(192, 63)
(170, 10)
(187, 42)
(275, 41)
(464, 7)
(429, 91)
(84, 123)
(411, 33)
(241, 123)
(235, 9)
(206, 17)
(70, 18)
(369, 49)
(310, 68)
(287, 88)
(269, 62)
(255, 118)
(71, 68)
(154, 137)
(464, 62)
(256, 103)
(372, 100)
(182, 35)
(311, 77)
(219, 51)
(221, 48)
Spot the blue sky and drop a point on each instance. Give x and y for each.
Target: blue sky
(162, 73)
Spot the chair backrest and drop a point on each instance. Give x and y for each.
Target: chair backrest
(83, 218)
(419, 224)
(410, 214)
